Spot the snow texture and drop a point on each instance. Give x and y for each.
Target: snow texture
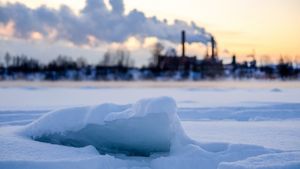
(147, 134)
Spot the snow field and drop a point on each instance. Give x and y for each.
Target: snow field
(150, 133)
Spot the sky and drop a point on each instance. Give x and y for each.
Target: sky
(241, 27)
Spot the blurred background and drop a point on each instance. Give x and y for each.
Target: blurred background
(109, 40)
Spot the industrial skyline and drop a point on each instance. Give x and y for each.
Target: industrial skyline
(240, 27)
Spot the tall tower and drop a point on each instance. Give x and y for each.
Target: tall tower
(183, 42)
(213, 47)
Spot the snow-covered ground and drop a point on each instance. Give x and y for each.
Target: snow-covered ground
(193, 127)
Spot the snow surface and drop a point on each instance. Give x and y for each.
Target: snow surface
(273, 161)
(209, 129)
(283, 135)
(51, 98)
(149, 127)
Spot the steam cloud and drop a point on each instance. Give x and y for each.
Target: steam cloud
(95, 20)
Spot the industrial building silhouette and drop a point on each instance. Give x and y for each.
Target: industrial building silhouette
(210, 66)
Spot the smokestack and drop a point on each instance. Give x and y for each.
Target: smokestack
(183, 42)
(213, 46)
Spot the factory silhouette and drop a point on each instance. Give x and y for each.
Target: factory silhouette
(117, 65)
(210, 66)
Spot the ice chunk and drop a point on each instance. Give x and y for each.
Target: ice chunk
(143, 128)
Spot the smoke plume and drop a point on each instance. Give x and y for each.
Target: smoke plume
(97, 21)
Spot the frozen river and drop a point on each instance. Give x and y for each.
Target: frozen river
(283, 135)
(213, 113)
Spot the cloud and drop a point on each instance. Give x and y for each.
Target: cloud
(97, 21)
(7, 30)
(117, 6)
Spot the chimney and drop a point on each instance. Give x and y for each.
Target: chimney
(213, 46)
(183, 42)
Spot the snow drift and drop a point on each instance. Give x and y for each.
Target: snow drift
(146, 127)
(149, 130)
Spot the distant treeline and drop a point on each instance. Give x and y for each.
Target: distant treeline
(118, 65)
